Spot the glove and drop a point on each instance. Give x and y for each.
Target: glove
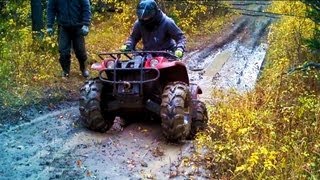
(179, 52)
(125, 47)
(50, 31)
(84, 30)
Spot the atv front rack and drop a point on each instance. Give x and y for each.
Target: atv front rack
(140, 71)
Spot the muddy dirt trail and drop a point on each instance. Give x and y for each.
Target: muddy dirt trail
(55, 146)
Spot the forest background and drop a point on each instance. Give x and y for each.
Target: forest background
(272, 134)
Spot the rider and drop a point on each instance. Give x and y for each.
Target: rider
(156, 30)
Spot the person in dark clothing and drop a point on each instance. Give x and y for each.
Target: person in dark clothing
(73, 18)
(156, 30)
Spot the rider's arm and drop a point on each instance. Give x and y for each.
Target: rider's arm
(135, 36)
(86, 12)
(177, 34)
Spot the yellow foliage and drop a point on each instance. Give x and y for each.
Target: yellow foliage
(273, 131)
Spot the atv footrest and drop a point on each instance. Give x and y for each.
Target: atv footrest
(153, 107)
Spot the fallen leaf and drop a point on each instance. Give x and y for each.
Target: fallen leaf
(144, 164)
(88, 173)
(158, 151)
(149, 176)
(79, 163)
(173, 174)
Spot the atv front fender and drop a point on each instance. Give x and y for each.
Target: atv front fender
(173, 71)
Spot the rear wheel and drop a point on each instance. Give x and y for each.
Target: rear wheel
(91, 107)
(175, 111)
(199, 118)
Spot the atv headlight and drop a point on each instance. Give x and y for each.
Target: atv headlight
(154, 62)
(110, 65)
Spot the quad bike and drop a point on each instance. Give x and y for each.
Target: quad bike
(150, 83)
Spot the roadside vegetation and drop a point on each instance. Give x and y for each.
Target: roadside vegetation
(273, 131)
(29, 68)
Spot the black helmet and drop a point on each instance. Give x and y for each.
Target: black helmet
(147, 9)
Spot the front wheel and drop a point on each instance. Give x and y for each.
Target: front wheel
(90, 107)
(175, 111)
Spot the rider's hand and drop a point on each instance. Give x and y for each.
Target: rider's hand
(179, 52)
(125, 48)
(50, 31)
(84, 30)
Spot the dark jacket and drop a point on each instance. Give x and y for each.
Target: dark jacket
(165, 36)
(69, 13)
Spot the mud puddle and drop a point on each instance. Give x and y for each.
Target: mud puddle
(234, 66)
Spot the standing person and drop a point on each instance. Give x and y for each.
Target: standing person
(156, 30)
(73, 17)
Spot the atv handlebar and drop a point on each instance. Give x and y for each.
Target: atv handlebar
(130, 54)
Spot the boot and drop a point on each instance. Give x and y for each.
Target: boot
(84, 70)
(65, 64)
(65, 74)
(85, 73)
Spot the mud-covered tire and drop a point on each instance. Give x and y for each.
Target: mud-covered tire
(176, 111)
(91, 114)
(199, 118)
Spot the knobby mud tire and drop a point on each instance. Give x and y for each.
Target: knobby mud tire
(199, 119)
(176, 111)
(90, 107)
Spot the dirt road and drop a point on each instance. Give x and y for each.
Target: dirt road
(54, 146)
